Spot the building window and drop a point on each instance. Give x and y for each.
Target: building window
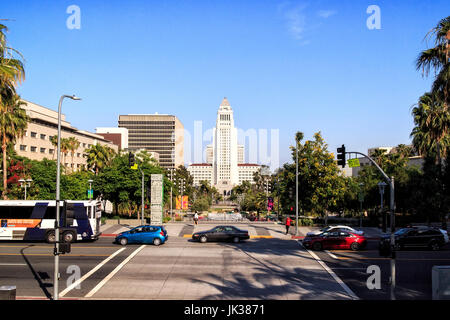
(33, 149)
(42, 150)
(23, 148)
(33, 134)
(78, 155)
(51, 151)
(43, 136)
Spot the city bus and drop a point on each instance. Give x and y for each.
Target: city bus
(34, 220)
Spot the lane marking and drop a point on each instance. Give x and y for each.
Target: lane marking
(349, 292)
(331, 255)
(87, 275)
(51, 254)
(13, 264)
(117, 269)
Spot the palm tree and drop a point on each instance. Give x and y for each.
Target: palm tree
(11, 74)
(98, 157)
(64, 149)
(54, 141)
(73, 145)
(437, 59)
(431, 134)
(13, 122)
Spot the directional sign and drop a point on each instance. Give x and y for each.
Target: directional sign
(353, 163)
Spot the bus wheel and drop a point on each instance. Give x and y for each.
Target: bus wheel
(50, 237)
(68, 236)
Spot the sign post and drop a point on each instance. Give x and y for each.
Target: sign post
(156, 199)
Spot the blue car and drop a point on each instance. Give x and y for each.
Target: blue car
(143, 234)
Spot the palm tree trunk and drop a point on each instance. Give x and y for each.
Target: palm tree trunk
(5, 185)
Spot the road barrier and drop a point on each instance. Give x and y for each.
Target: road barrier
(440, 277)
(7, 292)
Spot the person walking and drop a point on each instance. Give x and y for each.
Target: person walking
(196, 218)
(288, 224)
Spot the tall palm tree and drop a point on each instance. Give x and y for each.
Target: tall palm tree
(431, 134)
(54, 141)
(73, 145)
(65, 147)
(13, 122)
(11, 74)
(437, 59)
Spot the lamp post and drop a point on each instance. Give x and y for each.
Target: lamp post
(361, 200)
(25, 184)
(381, 186)
(58, 178)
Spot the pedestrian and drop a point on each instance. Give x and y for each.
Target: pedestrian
(288, 224)
(196, 218)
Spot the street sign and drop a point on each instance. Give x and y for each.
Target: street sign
(134, 167)
(353, 163)
(90, 194)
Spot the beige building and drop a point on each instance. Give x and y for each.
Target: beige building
(160, 133)
(36, 143)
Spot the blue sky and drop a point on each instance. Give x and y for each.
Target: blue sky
(290, 65)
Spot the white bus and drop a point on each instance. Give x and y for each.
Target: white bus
(34, 220)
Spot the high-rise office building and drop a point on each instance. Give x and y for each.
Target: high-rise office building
(159, 133)
(225, 167)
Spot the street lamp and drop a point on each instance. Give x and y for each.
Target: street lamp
(361, 200)
(58, 179)
(25, 183)
(381, 186)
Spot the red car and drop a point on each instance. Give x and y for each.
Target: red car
(335, 240)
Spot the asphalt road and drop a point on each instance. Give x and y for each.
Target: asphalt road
(413, 271)
(273, 268)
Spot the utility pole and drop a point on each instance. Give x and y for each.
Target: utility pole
(56, 275)
(390, 182)
(296, 186)
(171, 180)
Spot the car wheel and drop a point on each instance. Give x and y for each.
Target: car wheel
(317, 246)
(68, 237)
(203, 239)
(355, 246)
(123, 241)
(157, 241)
(434, 246)
(236, 239)
(50, 237)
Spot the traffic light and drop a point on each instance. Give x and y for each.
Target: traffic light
(341, 156)
(68, 213)
(131, 160)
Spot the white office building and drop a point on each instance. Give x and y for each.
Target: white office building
(224, 158)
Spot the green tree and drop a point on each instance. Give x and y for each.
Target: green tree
(13, 122)
(99, 157)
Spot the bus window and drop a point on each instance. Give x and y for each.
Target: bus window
(51, 212)
(15, 212)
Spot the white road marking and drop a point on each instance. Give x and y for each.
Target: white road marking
(335, 277)
(331, 255)
(13, 264)
(87, 275)
(117, 269)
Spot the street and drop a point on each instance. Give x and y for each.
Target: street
(271, 265)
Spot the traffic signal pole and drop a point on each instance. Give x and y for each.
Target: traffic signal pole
(390, 181)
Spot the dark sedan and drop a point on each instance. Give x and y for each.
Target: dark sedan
(221, 233)
(424, 237)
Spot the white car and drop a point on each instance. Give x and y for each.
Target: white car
(330, 228)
